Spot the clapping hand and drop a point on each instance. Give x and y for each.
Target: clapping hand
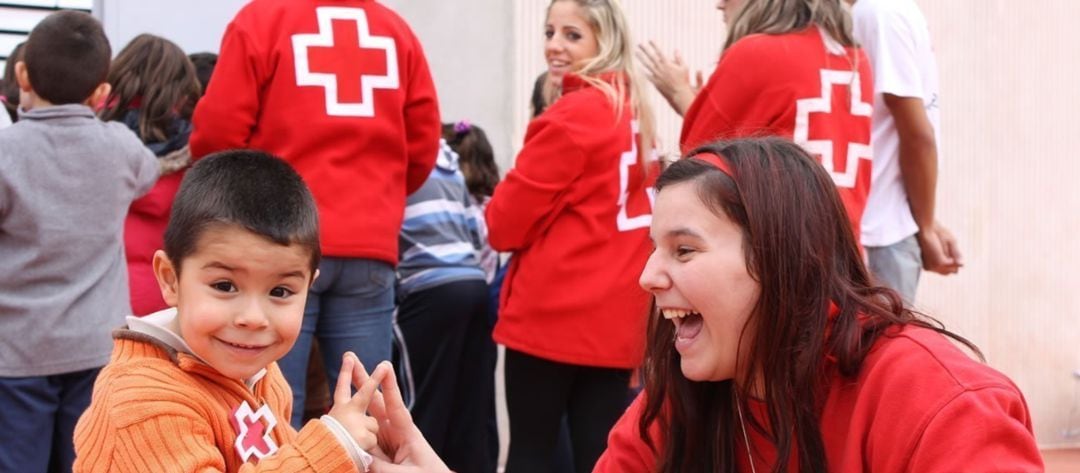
(671, 76)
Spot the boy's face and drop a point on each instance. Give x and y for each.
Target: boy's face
(240, 298)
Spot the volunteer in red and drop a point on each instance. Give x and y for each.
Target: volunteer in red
(766, 355)
(789, 68)
(575, 211)
(342, 91)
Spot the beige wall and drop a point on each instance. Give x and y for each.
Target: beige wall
(1008, 177)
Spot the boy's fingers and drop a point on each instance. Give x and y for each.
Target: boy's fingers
(363, 397)
(342, 393)
(376, 406)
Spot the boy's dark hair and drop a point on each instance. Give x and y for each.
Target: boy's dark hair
(67, 57)
(204, 67)
(247, 188)
(9, 87)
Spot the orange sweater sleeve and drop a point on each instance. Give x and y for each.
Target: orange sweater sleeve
(182, 442)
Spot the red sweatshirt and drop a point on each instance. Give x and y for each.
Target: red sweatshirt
(919, 404)
(789, 85)
(342, 91)
(575, 211)
(144, 234)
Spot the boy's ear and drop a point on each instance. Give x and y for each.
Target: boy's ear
(167, 277)
(100, 94)
(314, 276)
(22, 76)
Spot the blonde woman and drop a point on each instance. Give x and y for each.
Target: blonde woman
(575, 211)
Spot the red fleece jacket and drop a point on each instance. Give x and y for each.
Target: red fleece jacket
(342, 91)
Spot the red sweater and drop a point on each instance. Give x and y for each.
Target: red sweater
(571, 293)
(919, 404)
(362, 149)
(144, 234)
(789, 85)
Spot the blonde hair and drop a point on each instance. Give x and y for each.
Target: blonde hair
(616, 54)
(785, 16)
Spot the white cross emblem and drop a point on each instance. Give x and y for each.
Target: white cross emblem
(823, 104)
(627, 159)
(329, 81)
(252, 437)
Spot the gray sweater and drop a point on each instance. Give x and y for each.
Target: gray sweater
(66, 181)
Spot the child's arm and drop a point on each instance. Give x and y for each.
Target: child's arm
(178, 438)
(422, 126)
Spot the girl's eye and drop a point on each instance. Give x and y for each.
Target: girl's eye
(224, 286)
(683, 251)
(548, 34)
(281, 292)
(572, 36)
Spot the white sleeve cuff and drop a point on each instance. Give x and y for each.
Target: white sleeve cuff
(361, 458)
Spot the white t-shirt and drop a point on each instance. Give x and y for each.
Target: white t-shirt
(895, 36)
(5, 119)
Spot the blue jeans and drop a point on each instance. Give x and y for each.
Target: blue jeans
(349, 308)
(897, 266)
(37, 420)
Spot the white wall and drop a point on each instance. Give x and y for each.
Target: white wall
(195, 25)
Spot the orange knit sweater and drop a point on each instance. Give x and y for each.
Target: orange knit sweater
(154, 409)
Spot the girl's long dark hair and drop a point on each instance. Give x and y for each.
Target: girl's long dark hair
(800, 247)
(154, 75)
(477, 159)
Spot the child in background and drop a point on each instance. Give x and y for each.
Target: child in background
(196, 388)
(204, 68)
(154, 90)
(477, 163)
(448, 352)
(66, 181)
(9, 88)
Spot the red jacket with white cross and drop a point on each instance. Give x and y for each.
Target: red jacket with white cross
(575, 211)
(342, 91)
(798, 87)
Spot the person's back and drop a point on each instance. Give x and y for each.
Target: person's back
(802, 85)
(66, 181)
(300, 105)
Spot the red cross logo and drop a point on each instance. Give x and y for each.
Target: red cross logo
(252, 436)
(349, 64)
(846, 117)
(641, 201)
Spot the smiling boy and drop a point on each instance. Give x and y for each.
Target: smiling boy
(197, 387)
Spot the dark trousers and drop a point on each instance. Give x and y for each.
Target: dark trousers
(538, 394)
(37, 420)
(449, 358)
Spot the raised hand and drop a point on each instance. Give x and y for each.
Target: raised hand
(671, 76)
(351, 410)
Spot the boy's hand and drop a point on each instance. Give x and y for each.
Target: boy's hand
(351, 410)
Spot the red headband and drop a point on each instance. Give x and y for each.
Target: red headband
(716, 161)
